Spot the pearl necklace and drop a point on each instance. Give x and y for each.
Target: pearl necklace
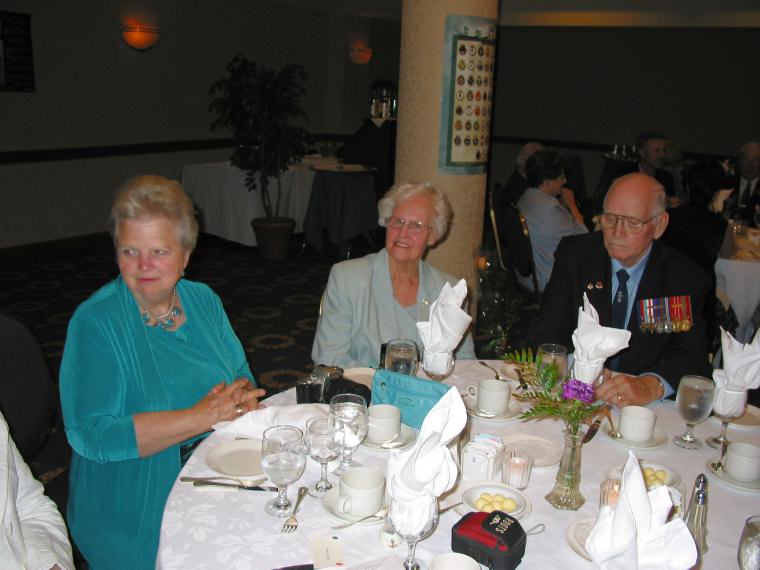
(165, 320)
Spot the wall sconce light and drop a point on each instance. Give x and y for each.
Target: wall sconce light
(140, 37)
(359, 55)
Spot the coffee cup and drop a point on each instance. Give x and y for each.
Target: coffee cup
(491, 396)
(742, 461)
(637, 423)
(361, 492)
(454, 561)
(384, 423)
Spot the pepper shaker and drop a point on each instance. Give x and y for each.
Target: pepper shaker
(696, 516)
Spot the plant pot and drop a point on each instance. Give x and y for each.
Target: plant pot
(273, 237)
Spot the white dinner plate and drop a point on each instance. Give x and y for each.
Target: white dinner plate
(360, 375)
(512, 412)
(408, 436)
(673, 477)
(544, 452)
(750, 420)
(330, 499)
(240, 458)
(576, 535)
(726, 479)
(658, 440)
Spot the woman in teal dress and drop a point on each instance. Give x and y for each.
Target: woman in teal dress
(150, 364)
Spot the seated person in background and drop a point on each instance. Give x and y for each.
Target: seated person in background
(33, 532)
(150, 364)
(624, 269)
(510, 192)
(382, 296)
(651, 149)
(745, 200)
(549, 218)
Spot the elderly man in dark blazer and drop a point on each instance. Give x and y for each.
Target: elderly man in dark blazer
(660, 296)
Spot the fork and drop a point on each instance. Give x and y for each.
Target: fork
(291, 524)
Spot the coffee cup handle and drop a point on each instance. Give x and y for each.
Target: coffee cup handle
(343, 504)
(472, 391)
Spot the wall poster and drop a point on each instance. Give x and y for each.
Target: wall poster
(16, 64)
(468, 68)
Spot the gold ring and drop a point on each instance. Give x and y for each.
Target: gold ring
(239, 409)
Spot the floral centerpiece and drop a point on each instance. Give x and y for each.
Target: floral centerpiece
(570, 400)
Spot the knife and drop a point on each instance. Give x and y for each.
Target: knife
(592, 429)
(234, 485)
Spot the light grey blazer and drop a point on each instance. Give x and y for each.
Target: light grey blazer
(359, 312)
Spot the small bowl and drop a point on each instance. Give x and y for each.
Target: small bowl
(673, 479)
(473, 493)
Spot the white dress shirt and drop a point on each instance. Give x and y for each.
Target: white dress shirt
(33, 532)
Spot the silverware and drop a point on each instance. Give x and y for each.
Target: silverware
(381, 513)
(234, 485)
(243, 482)
(613, 433)
(445, 509)
(593, 428)
(490, 368)
(291, 523)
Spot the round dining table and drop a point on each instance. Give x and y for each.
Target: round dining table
(208, 528)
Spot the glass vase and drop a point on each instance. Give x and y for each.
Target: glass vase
(566, 494)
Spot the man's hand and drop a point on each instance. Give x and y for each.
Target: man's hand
(625, 390)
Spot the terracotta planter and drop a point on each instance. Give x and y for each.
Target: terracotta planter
(273, 237)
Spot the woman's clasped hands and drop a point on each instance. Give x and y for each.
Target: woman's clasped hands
(229, 401)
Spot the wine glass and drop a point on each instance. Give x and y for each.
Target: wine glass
(402, 356)
(553, 355)
(438, 366)
(694, 401)
(413, 521)
(324, 442)
(728, 406)
(348, 413)
(748, 554)
(283, 458)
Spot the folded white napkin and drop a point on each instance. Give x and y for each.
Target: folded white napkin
(425, 471)
(635, 534)
(594, 343)
(255, 422)
(741, 364)
(445, 326)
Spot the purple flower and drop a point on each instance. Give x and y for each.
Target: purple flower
(577, 390)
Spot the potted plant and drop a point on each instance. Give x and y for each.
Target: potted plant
(260, 105)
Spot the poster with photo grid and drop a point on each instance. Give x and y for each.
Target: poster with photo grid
(469, 57)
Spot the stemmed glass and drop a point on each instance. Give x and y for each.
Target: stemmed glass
(324, 442)
(553, 354)
(283, 458)
(728, 406)
(413, 521)
(348, 413)
(694, 401)
(438, 367)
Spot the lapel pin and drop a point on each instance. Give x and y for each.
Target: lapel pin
(599, 284)
(589, 286)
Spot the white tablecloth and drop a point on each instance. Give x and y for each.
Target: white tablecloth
(227, 206)
(222, 529)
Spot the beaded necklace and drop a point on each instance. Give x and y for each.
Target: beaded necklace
(165, 320)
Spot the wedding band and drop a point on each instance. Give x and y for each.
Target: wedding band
(239, 409)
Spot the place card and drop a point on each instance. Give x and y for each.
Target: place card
(326, 551)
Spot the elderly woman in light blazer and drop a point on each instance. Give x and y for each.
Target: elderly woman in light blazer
(382, 296)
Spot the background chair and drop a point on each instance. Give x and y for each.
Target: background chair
(517, 240)
(495, 224)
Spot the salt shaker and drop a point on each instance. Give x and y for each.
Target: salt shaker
(696, 516)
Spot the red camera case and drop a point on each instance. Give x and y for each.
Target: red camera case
(495, 539)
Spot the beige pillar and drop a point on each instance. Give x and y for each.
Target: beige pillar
(419, 126)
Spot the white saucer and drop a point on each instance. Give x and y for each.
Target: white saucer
(408, 435)
(726, 479)
(749, 421)
(240, 458)
(673, 480)
(328, 503)
(544, 452)
(658, 440)
(576, 535)
(511, 413)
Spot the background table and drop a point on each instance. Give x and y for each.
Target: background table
(342, 202)
(737, 275)
(227, 206)
(225, 529)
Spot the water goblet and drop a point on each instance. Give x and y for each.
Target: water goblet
(402, 356)
(324, 442)
(413, 521)
(553, 355)
(728, 406)
(283, 458)
(748, 554)
(438, 366)
(348, 413)
(694, 401)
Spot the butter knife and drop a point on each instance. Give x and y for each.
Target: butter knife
(592, 429)
(234, 485)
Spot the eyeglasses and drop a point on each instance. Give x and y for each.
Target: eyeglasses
(413, 227)
(630, 224)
